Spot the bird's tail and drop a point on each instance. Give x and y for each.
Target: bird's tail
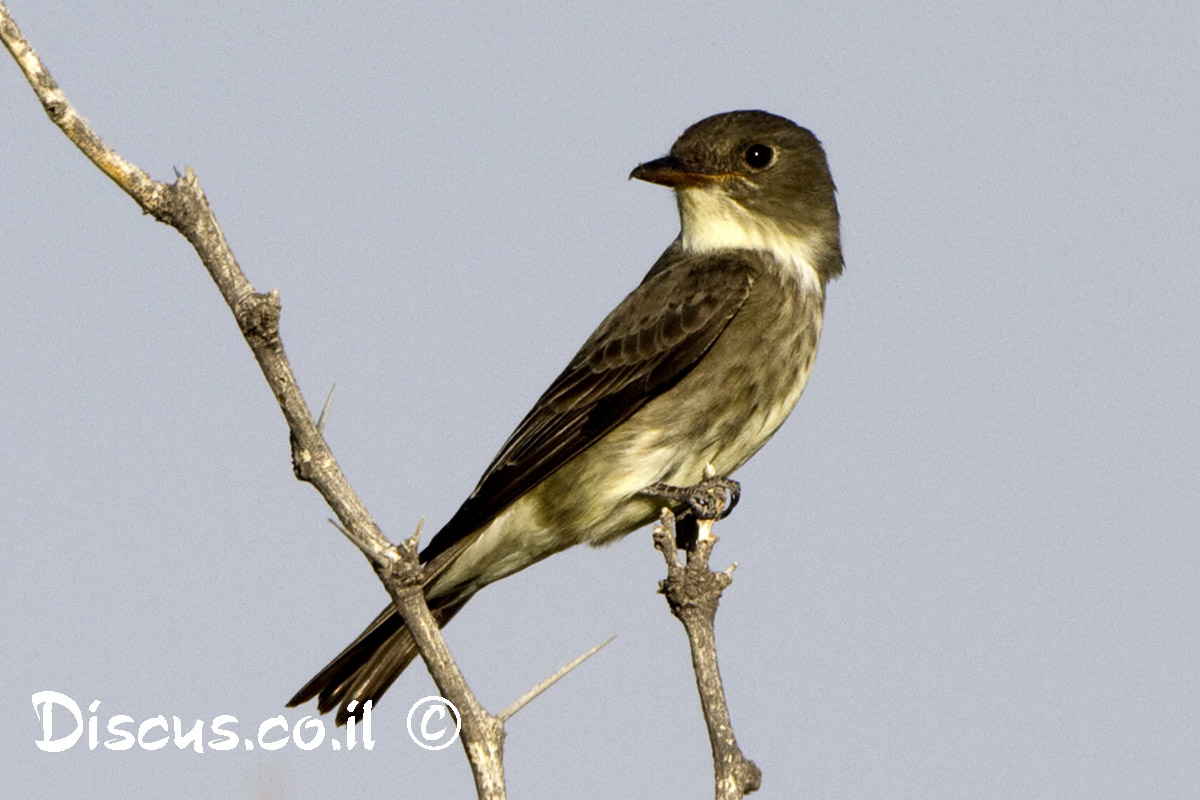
(365, 669)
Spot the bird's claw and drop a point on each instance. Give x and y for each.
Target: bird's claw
(712, 498)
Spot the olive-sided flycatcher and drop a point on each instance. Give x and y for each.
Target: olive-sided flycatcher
(698, 366)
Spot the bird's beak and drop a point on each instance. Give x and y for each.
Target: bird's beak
(671, 171)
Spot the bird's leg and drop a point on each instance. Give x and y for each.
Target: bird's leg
(712, 498)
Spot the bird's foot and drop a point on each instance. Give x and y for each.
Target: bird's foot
(712, 498)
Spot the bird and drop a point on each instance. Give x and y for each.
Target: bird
(687, 377)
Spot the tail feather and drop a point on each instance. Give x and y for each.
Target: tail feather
(372, 662)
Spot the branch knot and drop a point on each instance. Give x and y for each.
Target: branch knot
(258, 316)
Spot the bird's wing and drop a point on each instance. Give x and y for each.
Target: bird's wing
(645, 346)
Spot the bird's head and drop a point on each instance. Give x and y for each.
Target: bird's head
(753, 180)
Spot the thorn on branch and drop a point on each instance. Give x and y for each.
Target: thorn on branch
(562, 672)
(411, 546)
(325, 415)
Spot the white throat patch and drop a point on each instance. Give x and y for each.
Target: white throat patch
(711, 220)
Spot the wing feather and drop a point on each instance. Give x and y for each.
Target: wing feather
(645, 346)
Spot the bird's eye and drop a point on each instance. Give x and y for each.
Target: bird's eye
(759, 156)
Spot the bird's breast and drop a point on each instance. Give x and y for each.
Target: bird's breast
(721, 413)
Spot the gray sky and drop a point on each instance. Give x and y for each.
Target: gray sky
(968, 564)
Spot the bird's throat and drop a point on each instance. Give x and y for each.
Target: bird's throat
(711, 221)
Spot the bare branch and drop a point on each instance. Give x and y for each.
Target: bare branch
(183, 206)
(693, 592)
(148, 193)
